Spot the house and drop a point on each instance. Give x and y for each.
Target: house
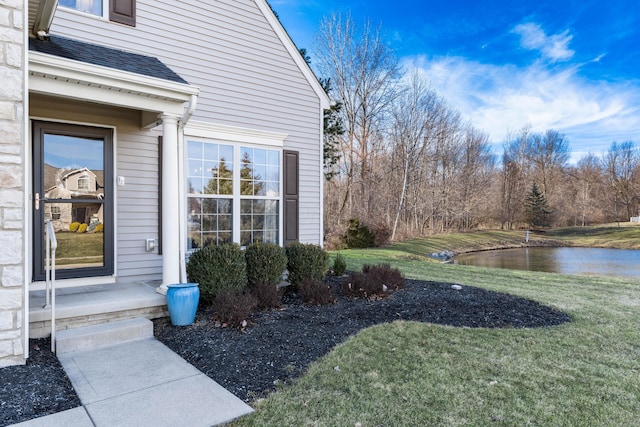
(78, 184)
(172, 124)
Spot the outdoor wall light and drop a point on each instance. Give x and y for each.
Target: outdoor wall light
(151, 245)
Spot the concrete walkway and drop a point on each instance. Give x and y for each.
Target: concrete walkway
(141, 383)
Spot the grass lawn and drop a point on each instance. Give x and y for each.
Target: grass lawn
(584, 373)
(623, 236)
(79, 248)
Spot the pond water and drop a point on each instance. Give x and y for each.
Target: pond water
(589, 261)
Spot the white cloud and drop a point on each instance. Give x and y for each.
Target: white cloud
(503, 98)
(554, 47)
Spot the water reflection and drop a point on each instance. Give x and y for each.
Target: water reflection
(588, 261)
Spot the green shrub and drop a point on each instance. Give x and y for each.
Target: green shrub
(82, 228)
(218, 268)
(100, 228)
(232, 307)
(265, 262)
(267, 295)
(339, 265)
(306, 261)
(74, 226)
(315, 292)
(358, 236)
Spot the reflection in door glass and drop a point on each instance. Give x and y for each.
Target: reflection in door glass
(74, 198)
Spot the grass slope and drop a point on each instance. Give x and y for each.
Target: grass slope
(407, 373)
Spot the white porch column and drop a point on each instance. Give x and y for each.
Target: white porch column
(170, 203)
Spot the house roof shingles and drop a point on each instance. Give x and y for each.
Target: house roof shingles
(105, 56)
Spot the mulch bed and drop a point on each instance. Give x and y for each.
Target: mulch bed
(39, 388)
(278, 345)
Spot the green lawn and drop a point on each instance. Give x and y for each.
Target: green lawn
(79, 248)
(584, 373)
(624, 236)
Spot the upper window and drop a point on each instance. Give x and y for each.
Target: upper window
(55, 213)
(121, 11)
(94, 7)
(83, 183)
(233, 194)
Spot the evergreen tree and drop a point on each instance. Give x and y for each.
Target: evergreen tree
(333, 127)
(251, 184)
(537, 208)
(221, 180)
(333, 131)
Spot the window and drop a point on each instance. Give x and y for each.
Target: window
(233, 194)
(210, 190)
(55, 213)
(120, 11)
(83, 183)
(93, 7)
(259, 195)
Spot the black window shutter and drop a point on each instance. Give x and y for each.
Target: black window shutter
(291, 188)
(123, 11)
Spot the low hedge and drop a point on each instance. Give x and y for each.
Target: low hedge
(306, 261)
(217, 269)
(265, 263)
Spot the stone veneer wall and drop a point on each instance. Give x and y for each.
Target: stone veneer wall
(12, 181)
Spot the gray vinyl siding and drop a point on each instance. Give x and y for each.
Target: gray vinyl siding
(245, 74)
(136, 159)
(137, 205)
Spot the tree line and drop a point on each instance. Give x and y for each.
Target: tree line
(406, 164)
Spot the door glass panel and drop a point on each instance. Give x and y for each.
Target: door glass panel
(74, 196)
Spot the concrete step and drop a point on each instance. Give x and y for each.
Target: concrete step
(91, 305)
(103, 335)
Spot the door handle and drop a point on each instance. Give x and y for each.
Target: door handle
(37, 200)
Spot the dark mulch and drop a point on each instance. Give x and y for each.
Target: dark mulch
(38, 388)
(279, 344)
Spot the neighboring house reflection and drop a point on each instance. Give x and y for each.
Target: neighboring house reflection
(79, 186)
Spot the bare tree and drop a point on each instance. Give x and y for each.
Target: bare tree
(364, 72)
(548, 154)
(588, 175)
(621, 169)
(413, 114)
(516, 172)
(475, 171)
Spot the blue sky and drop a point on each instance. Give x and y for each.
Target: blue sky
(569, 65)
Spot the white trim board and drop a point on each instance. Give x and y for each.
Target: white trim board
(234, 134)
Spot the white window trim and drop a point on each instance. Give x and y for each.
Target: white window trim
(237, 137)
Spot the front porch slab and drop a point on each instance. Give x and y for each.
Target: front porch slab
(91, 305)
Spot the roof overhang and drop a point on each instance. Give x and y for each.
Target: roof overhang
(67, 78)
(44, 17)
